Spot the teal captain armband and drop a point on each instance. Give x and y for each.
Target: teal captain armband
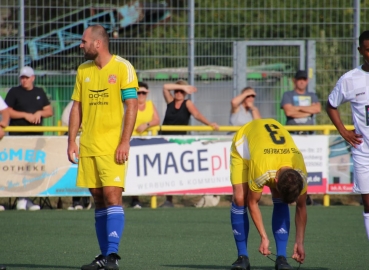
(129, 93)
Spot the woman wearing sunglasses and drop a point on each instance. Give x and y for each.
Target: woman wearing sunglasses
(179, 111)
(243, 107)
(147, 115)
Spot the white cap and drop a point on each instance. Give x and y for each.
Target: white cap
(26, 71)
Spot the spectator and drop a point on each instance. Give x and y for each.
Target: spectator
(147, 116)
(243, 107)
(352, 87)
(78, 203)
(28, 105)
(179, 111)
(4, 111)
(299, 105)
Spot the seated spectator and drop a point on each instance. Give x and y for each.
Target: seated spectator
(147, 116)
(28, 105)
(78, 203)
(179, 111)
(243, 108)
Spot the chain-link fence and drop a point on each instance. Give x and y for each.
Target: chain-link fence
(156, 37)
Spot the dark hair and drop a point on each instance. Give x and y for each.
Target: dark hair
(143, 84)
(364, 36)
(290, 185)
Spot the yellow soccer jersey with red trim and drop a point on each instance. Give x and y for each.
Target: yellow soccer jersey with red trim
(259, 149)
(99, 91)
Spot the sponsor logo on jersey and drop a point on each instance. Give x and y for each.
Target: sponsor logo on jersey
(97, 96)
(112, 79)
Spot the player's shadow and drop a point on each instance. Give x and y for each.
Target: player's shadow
(37, 266)
(227, 267)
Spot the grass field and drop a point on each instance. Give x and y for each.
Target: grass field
(179, 238)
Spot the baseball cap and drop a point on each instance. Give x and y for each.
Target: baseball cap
(301, 74)
(26, 71)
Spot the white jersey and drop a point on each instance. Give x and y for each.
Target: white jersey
(353, 87)
(3, 105)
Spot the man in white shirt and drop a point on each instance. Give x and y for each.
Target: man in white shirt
(353, 87)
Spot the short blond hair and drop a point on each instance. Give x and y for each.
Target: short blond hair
(181, 82)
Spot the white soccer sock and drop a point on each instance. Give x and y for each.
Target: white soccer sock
(366, 223)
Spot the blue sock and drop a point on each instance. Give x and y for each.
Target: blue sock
(114, 228)
(100, 227)
(240, 228)
(281, 226)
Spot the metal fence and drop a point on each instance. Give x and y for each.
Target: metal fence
(190, 39)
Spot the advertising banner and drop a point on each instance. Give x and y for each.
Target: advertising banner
(340, 166)
(38, 166)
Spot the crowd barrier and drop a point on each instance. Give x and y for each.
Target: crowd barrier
(37, 166)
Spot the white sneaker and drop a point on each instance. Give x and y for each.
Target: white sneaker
(32, 207)
(70, 208)
(2, 208)
(22, 204)
(78, 207)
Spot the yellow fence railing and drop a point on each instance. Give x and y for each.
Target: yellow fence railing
(325, 128)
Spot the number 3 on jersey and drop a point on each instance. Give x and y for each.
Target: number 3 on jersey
(274, 134)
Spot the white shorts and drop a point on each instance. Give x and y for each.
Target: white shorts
(361, 174)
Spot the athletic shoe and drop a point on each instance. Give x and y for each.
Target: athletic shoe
(98, 263)
(22, 204)
(136, 204)
(2, 208)
(32, 207)
(167, 204)
(78, 207)
(2, 267)
(282, 264)
(242, 263)
(112, 262)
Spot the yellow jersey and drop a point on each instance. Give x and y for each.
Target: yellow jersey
(144, 116)
(99, 91)
(259, 149)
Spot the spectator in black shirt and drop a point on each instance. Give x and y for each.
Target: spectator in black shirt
(28, 105)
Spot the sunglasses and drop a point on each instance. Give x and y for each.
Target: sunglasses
(253, 96)
(142, 93)
(179, 91)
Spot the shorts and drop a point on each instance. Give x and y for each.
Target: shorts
(361, 174)
(100, 171)
(239, 169)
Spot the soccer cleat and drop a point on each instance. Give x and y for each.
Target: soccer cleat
(98, 263)
(282, 264)
(112, 262)
(2, 267)
(242, 263)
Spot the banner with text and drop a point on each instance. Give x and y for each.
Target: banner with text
(38, 166)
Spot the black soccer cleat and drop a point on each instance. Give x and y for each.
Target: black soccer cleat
(242, 263)
(112, 262)
(282, 264)
(97, 264)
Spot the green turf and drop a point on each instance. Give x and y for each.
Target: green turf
(179, 238)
